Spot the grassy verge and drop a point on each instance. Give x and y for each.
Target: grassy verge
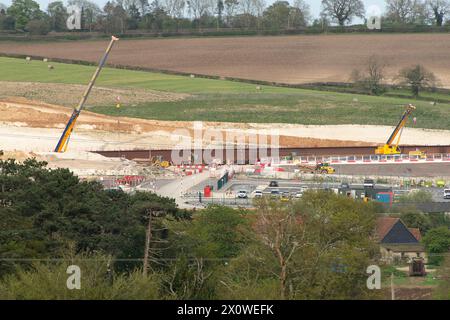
(12, 69)
(309, 108)
(220, 100)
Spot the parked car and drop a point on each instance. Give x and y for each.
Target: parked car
(345, 185)
(258, 194)
(447, 194)
(242, 194)
(273, 184)
(275, 193)
(299, 194)
(369, 183)
(303, 189)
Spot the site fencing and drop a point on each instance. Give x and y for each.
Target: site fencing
(364, 159)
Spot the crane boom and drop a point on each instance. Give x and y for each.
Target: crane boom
(64, 140)
(389, 147)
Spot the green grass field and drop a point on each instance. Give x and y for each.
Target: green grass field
(220, 100)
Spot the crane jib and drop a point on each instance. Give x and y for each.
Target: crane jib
(400, 125)
(64, 139)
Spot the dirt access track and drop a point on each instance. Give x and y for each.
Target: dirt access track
(286, 59)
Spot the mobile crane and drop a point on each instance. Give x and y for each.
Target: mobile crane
(390, 147)
(65, 137)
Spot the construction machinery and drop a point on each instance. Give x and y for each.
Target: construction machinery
(158, 161)
(391, 146)
(320, 167)
(65, 137)
(418, 153)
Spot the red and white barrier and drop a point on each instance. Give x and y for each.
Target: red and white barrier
(368, 159)
(192, 169)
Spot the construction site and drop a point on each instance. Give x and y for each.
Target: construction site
(197, 162)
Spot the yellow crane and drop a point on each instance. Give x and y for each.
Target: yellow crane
(392, 147)
(65, 137)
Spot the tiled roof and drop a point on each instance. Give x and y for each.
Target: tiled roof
(416, 233)
(384, 225)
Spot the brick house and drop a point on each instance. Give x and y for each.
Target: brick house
(397, 241)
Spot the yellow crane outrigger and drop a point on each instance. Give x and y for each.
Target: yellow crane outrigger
(390, 147)
(64, 140)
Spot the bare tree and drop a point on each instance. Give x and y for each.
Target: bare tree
(252, 7)
(438, 9)
(198, 8)
(372, 76)
(343, 11)
(175, 8)
(304, 9)
(418, 78)
(143, 6)
(281, 231)
(230, 9)
(406, 11)
(126, 4)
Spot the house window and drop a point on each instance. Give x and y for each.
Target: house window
(418, 254)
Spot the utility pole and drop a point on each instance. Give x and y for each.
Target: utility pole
(148, 238)
(392, 287)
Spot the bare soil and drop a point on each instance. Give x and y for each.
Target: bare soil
(26, 113)
(417, 293)
(287, 59)
(32, 125)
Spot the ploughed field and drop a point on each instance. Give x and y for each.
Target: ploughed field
(287, 59)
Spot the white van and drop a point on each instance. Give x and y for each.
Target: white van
(242, 194)
(258, 194)
(447, 194)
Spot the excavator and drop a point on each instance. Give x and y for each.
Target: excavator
(65, 137)
(391, 146)
(323, 168)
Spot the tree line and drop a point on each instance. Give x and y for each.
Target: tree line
(142, 246)
(371, 78)
(121, 16)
